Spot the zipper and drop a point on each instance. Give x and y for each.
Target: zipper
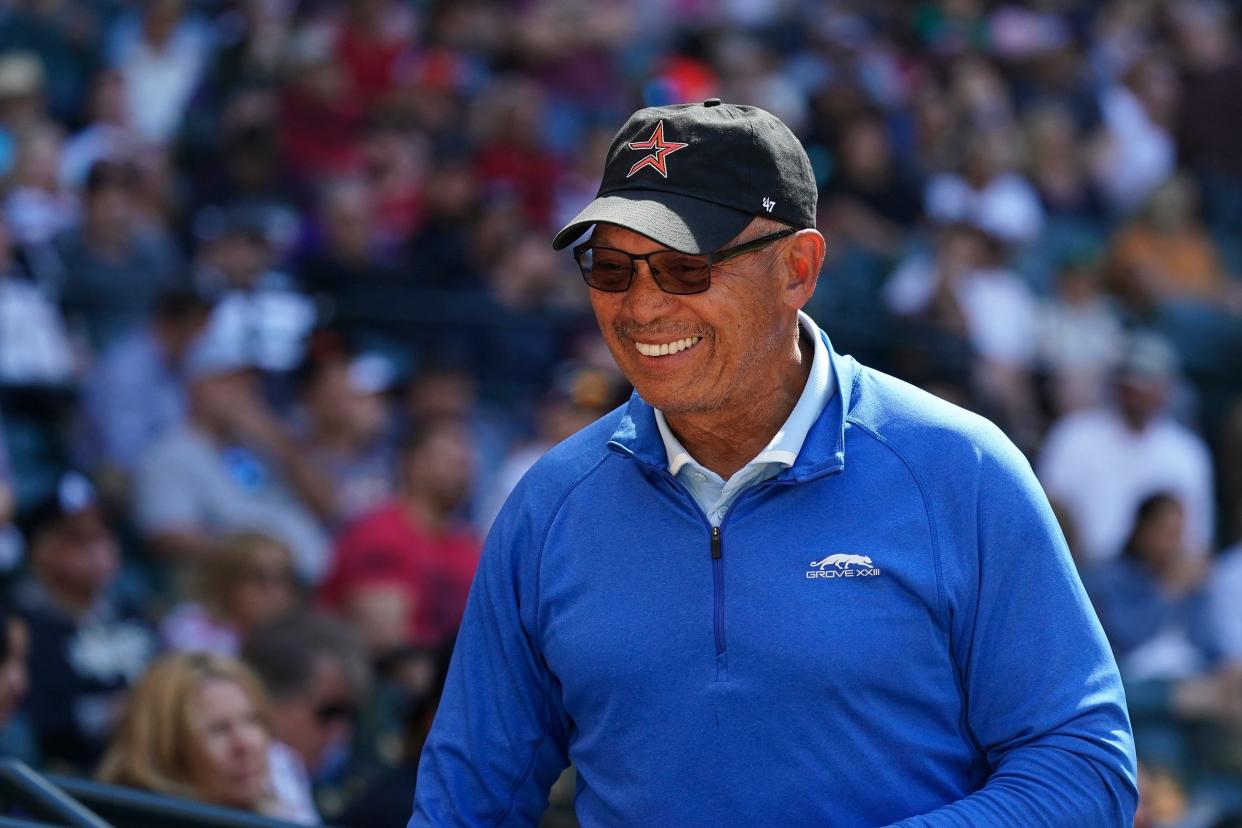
(718, 589)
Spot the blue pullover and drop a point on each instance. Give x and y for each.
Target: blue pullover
(889, 632)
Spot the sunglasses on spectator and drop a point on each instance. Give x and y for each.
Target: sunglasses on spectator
(682, 274)
(335, 711)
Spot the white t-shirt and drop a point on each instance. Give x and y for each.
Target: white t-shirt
(1001, 311)
(1100, 471)
(291, 785)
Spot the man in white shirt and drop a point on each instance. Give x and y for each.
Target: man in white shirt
(1099, 464)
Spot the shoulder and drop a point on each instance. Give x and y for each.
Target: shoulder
(921, 427)
(565, 467)
(1180, 439)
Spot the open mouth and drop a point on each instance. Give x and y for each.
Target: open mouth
(652, 349)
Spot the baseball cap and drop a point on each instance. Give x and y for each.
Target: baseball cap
(371, 373)
(1147, 359)
(215, 354)
(73, 497)
(691, 176)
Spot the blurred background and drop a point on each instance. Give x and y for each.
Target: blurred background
(281, 326)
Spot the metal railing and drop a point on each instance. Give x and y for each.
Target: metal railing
(29, 799)
(130, 808)
(15, 822)
(32, 793)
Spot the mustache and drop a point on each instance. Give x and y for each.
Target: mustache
(626, 330)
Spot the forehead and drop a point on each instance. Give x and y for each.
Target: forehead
(219, 696)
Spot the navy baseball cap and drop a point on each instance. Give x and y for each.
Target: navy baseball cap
(691, 176)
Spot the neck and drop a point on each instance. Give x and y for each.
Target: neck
(335, 439)
(70, 602)
(727, 439)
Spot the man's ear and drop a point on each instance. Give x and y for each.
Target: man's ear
(803, 257)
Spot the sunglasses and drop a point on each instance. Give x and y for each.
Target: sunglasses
(612, 270)
(335, 711)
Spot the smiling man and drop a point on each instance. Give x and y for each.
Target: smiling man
(777, 587)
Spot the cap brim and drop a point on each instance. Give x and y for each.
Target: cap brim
(686, 224)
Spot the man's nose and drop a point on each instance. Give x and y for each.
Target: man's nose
(644, 301)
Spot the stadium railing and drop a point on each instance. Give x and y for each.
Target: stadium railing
(33, 794)
(29, 799)
(130, 808)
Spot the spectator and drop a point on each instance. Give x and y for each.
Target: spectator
(258, 309)
(1166, 253)
(1059, 166)
(250, 56)
(1099, 464)
(37, 207)
(1209, 112)
(106, 137)
(579, 397)
(1080, 337)
(115, 266)
(347, 253)
(440, 248)
(988, 192)
(967, 289)
(402, 571)
(11, 542)
(198, 727)
(513, 156)
(161, 55)
(320, 120)
(230, 467)
(88, 644)
(1151, 599)
(371, 39)
(871, 201)
(394, 165)
(1136, 153)
(346, 433)
(34, 344)
(448, 391)
(385, 802)
(23, 104)
(14, 650)
(245, 583)
(1154, 604)
(135, 392)
(315, 674)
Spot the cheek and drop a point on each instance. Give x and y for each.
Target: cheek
(211, 759)
(247, 598)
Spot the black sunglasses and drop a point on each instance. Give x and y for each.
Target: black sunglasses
(335, 711)
(612, 270)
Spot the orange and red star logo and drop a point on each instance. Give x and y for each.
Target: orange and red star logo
(655, 160)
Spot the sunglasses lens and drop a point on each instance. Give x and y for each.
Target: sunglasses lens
(681, 272)
(605, 269)
(334, 712)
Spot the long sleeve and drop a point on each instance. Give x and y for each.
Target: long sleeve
(500, 734)
(1044, 698)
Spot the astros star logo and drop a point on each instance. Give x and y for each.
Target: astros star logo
(663, 149)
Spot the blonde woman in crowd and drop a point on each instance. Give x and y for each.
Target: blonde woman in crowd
(196, 727)
(247, 582)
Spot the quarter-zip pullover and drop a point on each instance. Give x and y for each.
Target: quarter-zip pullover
(888, 632)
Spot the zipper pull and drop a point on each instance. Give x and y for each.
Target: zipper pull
(716, 550)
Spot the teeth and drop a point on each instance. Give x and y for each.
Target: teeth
(666, 348)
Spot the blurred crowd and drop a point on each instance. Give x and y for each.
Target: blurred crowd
(281, 326)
